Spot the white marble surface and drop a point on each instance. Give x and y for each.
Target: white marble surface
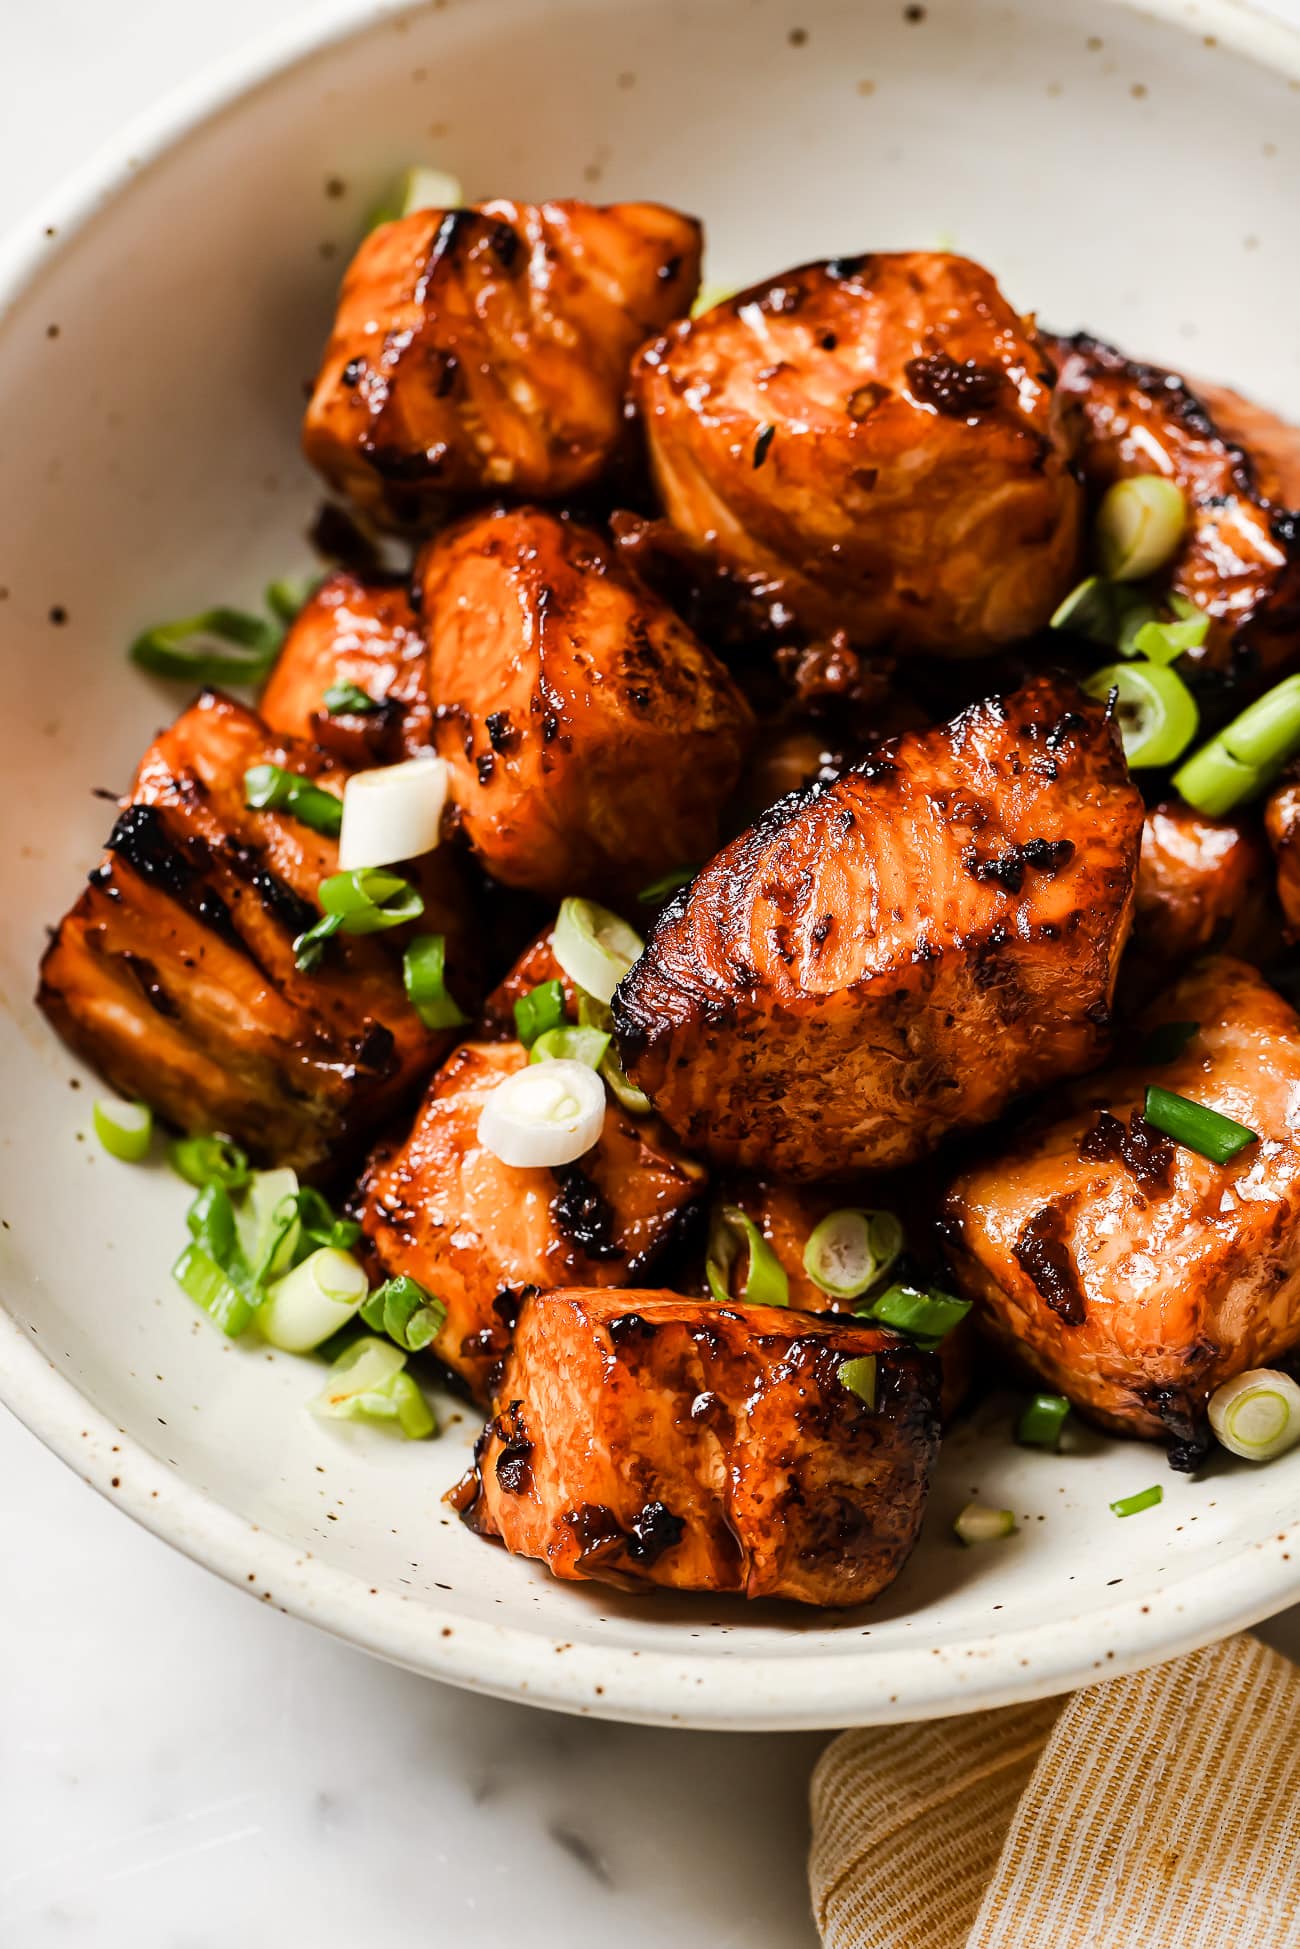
(179, 1769)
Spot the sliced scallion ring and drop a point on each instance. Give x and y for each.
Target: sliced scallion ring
(1088, 610)
(1156, 711)
(267, 1224)
(312, 1301)
(1257, 1414)
(979, 1524)
(401, 1308)
(1243, 759)
(204, 1160)
(368, 900)
(201, 1279)
(549, 1113)
(1139, 525)
(392, 813)
(859, 1376)
(367, 1383)
(541, 1009)
(765, 1282)
(219, 646)
(1165, 642)
(271, 788)
(124, 1129)
(594, 947)
(424, 974)
(850, 1250)
(570, 1044)
(711, 295)
(1196, 1126)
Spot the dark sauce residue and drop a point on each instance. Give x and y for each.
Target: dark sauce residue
(1146, 1153)
(1041, 1252)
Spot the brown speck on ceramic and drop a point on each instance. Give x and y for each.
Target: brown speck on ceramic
(798, 37)
(914, 14)
(1269, 150)
(1211, 40)
(1094, 43)
(1138, 91)
(866, 87)
(51, 331)
(1250, 243)
(58, 615)
(115, 1482)
(50, 230)
(328, 250)
(1054, 88)
(591, 173)
(627, 79)
(335, 186)
(446, 1630)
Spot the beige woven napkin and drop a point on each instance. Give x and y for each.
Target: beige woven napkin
(1160, 1811)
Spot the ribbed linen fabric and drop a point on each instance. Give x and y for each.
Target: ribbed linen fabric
(1159, 1811)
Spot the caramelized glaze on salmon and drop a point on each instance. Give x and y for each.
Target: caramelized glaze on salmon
(643, 1438)
(899, 953)
(486, 350)
(478, 1233)
(362, 633)
(174, 972)
(873, 445)
(1127, 1271)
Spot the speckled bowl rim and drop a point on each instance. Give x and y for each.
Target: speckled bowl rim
(671, 1687)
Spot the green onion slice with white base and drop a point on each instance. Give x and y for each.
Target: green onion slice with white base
(1257, 1415)
(548, 1114)
(367, 1383)
(204, 1160)
(594, 947)
(1156, 712)
(765, 1282)
(313, 1301)
(540, 1009)
(1244, 758)
(424, 974)
(979, 1524)
(1139, 525)
(925, 1316)
(418, 188)
(124, 1129)
(270, 788)
(850, 1250)
(392, 813)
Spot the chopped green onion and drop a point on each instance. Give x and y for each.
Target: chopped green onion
(541, 1009)
(290, 593)
(926, 1317)
(124, 1129)
(1167, 1041)
(594, 947)
(1156, 711)
(1139, 525)
(859, 1376)
(710, 295)
(596, 1015)
(209, 1160)
(979, 1524)
(765, 1282)
(218, 646)
(369, 899)
(266, 1223)
(1195, 1126)
(365, 901)
(201, 1279)
(367, 1383)
(210, 1221)
(403, 1310)
(1165, 642)
(850, 1249)
(424, 974)
(312, 1301)
(1134, 1505)
(1133, 614)
(418, 188)
(270, 788)
(658, 890)
(1088, 610)
(351, 699)
(1041, 1423)
(570, 1044)
(1243, 759)
(1257, 1415)
(319, 1224)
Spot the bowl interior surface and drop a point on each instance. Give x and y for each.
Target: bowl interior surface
(1128, 173)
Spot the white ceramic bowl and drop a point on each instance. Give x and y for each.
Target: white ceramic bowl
(1132, 171)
